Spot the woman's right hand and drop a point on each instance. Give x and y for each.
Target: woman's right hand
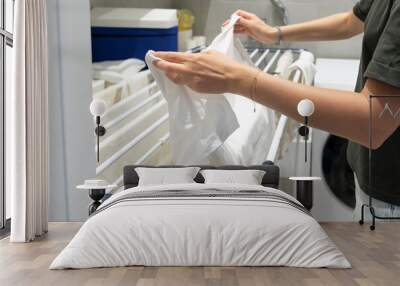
(254, 27)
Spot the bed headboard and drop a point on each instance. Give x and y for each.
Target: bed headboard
(270, 179)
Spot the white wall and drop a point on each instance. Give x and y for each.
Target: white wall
(72, 157)
(304, 10)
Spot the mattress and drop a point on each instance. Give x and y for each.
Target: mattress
(201, 225)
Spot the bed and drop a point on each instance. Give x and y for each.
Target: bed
(201, 224)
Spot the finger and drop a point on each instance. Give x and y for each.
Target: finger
(174, 57)
(170, 67)
(244, 14)
(179, 78)
(245, 23)
(174, 77)
(239, 29)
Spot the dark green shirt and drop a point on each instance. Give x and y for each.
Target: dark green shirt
(380, 60)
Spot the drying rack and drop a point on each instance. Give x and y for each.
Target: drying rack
(283, 119)
(370, 198)
(265, 58)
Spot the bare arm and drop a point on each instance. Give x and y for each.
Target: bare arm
(335, 27)
(345, 114)
(342, 113)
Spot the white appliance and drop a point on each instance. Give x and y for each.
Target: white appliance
(336, 74)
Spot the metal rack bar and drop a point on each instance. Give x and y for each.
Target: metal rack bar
(130, 98)
(370, 201)
(147, 155)
(283, 120)
(132, 110)
(253, 53)
(272, 61)
(262, 57)
(108, 162)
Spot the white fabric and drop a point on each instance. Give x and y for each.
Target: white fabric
(286, 69)
(283, 64)
(249, 144)
(160, 176)
(116, 71)
(206, 231)
(245, 177)
(27, 123)
(200, 123)
(305, 64)
(119, 66)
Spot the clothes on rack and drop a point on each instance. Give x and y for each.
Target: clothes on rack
(121, 78)
(281, 70)
(304, 64)
(116, 71)
(283, 64)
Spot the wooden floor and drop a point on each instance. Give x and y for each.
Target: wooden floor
(375, 257)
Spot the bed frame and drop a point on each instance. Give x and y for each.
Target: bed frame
(270, 179)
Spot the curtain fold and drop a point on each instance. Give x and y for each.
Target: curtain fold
(27, 123)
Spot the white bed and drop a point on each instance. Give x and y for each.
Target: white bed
(185, 230)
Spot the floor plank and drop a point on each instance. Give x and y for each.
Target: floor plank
(375, 257)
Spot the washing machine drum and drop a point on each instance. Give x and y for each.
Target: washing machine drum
(337, 172)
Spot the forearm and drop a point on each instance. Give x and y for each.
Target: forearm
(335, 27)
(342, 113)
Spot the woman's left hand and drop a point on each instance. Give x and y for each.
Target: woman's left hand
(208, 72)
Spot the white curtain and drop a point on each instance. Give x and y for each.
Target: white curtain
(27, 123)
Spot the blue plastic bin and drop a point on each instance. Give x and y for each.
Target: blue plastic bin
(122, 33)
(124, 43)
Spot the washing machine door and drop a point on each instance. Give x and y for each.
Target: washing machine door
(337, 172)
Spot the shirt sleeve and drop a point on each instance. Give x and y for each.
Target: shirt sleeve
(385, 63)
(361, 9)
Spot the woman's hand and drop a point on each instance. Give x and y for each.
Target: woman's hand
(208, 72)
(254, 27)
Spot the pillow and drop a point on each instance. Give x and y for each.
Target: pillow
(163, 176)
(248, 177)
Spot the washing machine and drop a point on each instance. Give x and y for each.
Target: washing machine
(334, 197)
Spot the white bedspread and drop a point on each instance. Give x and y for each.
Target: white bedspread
(200, 231)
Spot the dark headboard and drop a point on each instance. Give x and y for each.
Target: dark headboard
(270, 179)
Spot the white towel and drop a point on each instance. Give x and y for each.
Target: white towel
(119, 66)
(283, 64)
(200, 123)
(305, 64)
(116, 71)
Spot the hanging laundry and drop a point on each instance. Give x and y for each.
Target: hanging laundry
(305, 64)
(200, 123)
(283, 64)
(281, 70)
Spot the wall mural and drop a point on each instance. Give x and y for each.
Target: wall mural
(337, 172)
(136, 118)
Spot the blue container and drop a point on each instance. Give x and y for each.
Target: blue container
(120, 33)
(112, 43)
